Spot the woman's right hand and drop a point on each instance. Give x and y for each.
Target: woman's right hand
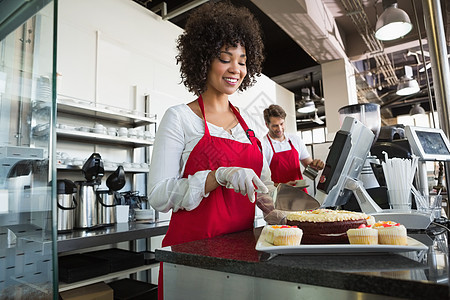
(241, 180)
(271, 215)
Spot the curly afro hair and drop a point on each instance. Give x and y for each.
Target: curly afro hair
(209, 28)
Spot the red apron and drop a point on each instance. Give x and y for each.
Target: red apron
(285, 165)
(223, 211)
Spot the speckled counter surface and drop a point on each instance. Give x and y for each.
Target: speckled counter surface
(413, 275)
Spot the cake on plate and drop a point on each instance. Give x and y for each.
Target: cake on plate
(325, 226)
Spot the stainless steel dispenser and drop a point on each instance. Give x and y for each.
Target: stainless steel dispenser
(108, 199)
(66, 193)
(86, 212)
(106, 207)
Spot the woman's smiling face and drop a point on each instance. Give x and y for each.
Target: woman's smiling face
(227, 71)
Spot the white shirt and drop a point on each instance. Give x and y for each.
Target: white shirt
(179, 132)
(284, 145)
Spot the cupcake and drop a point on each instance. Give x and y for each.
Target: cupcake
(363, 235)
(287, 236)
(391, 233)
(268, 231)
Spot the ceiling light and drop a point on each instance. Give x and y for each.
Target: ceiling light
(416, 110)
(307, 108)
(393, 23)
(407, 84)
(308, 104)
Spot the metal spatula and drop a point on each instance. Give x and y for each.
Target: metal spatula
(290, 198)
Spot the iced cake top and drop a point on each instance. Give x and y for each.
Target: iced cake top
(328, 215)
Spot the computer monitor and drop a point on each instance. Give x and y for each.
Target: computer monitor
(428, 143)
(344, 163)
(340, 177)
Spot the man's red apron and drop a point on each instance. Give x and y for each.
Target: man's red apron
(285, 165)
(223, 211)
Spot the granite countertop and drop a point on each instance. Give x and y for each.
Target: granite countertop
(416, 275)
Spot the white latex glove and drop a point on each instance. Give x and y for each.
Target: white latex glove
(271, 215)
(241, 180)
(265, 203)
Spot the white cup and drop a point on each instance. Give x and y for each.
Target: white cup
(132, 132)
(85, 129)
(100, 130)
(148, 135)
(122, 212)
(112, 131)
(123, 131)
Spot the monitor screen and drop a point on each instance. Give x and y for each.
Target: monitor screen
(345, 160)
(428, 143)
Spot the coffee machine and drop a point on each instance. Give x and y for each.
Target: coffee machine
(86, 211)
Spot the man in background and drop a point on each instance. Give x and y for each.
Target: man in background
(284, 152)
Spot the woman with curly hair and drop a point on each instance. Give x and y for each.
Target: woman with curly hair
(207, 163)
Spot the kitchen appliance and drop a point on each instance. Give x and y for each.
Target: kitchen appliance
(66, 193)
(342, 169)
(86, 212)
(108, 199)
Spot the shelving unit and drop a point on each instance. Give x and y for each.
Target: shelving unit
(68, 286)
(123, 117)
(84, 239)
(102, 138)
(77, 114)
(75, 108)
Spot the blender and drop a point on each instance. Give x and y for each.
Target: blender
(87, 214)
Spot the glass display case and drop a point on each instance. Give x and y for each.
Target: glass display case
(27, 113)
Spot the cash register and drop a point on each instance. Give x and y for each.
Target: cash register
(345, 161)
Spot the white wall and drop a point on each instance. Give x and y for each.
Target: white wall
(104, 55)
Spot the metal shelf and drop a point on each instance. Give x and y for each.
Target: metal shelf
(68, 286)
(121, 117)
(101, 138)
(119, 232)
(107, 169)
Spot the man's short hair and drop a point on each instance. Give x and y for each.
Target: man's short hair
(274, 110)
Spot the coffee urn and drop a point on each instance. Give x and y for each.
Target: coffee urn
(66, 193)
(108, 199)
(87, 214)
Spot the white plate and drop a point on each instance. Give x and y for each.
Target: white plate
(262, 245)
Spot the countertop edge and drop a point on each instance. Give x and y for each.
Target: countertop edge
(353, 281)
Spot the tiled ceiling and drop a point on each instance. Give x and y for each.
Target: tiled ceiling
(291, 66)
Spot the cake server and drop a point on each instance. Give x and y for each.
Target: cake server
(291, 198)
